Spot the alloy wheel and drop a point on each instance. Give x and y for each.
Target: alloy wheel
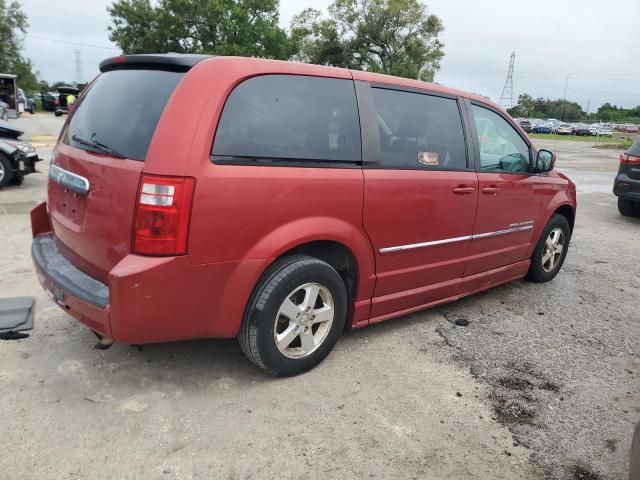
(304, 320)
(553, 248)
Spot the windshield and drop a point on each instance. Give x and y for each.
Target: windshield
(120, 112)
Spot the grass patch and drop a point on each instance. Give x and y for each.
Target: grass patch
(611, 142)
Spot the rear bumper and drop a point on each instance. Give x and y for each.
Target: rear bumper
(146, 299)
(627, 187)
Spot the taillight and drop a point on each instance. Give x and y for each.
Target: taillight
(626, 158)
(163, 211)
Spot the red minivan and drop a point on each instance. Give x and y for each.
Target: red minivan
(282, 203)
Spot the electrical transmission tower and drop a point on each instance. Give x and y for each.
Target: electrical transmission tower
(506, 97)
(78, 63)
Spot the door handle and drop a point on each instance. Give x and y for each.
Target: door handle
(492, 190)
(463, 190)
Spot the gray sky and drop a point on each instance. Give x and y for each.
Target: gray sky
(589, 41)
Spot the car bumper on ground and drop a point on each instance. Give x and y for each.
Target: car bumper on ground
(627, 187)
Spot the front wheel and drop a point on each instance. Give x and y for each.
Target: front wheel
(628, 208)
(551, 251)
(6, 171)
(295, 316)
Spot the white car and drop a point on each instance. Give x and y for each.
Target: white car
(604, 132)
(564, 129)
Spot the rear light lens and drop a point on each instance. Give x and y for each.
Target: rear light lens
(163, 212)
(626, 158)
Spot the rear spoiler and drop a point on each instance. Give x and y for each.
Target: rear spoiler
(174, 62)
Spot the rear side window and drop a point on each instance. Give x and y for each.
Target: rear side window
(121, 111)
(634, 149)
(290, 117)
(419, 130)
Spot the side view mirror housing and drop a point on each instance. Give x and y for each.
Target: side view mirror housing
(545, 161)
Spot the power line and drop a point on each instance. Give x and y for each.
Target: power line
(71, 43)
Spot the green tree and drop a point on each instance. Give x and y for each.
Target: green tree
(396, 37)
(222, 27)
(544, 108)
(13, 22)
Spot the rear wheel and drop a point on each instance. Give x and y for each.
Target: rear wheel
(551, 251)
(6, 171)
(628, 208)
(295, 316)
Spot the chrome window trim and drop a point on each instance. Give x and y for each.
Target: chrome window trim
(74, 182)
(457, 239)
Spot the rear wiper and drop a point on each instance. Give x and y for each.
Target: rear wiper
(93, 143)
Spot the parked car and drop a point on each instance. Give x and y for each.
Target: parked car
(298, 201)
(564, 129)
(4, 111)
(17, 158)
(542, 128)
(604, 132)
(582, 130)
(66, 98)
(49, 101)
(627, 183)
(25, 104)
(527, 125)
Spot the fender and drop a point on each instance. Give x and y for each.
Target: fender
(8, 150)
(312, 229)
(559, 199)
(246, 273)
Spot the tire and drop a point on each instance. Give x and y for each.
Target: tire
(5, 116)
(544, 267)
(628, 208)
(16, 181)
(294, 279)
(6, 171)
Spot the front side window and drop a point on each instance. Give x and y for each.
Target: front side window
(501, 148)
(419, 130)
(289, 117)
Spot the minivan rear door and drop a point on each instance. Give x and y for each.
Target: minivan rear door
(98, 161)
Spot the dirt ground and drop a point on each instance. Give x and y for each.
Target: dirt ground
(544, 383)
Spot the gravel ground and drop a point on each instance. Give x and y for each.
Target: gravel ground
(542, 384)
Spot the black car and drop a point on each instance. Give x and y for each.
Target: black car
(627, 184)
(582, 130)
(49, 101)
(17, 158)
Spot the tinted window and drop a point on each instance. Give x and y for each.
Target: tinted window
(635, 149)
(501, 148)
(122, 110)
(419, 131)
(290, 117)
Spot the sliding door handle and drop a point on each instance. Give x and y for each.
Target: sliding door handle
(464, 190)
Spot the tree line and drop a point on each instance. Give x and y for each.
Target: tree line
(565, 110)
(397, 37)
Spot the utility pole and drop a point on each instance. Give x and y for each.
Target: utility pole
(506, 97)
(78, 62)
(586, 114)
(564, 97)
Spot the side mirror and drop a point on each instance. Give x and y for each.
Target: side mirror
(545, 161)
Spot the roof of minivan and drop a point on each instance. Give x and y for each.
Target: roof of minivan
(184, 62)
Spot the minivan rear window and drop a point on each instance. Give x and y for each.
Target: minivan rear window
(121, 111)
(635, 149)
(289, 117)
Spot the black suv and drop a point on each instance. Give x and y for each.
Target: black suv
(627, 183)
